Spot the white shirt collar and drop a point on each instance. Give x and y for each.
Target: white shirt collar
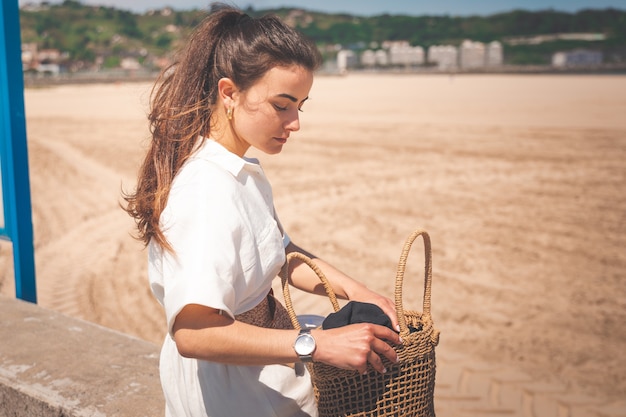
(218, 154)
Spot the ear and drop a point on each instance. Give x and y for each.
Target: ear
(227, 91)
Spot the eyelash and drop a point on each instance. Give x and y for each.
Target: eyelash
(285, 108)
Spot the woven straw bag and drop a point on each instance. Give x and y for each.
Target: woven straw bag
(407, 388)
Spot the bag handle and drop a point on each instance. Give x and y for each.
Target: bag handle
(284, 277)
(428, 276)
(404, 330)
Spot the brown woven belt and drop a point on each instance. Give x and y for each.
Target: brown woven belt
(269, 313)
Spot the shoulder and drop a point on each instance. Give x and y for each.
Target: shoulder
(202, 186)
(201, 190)
(202, 168)
(204, 174)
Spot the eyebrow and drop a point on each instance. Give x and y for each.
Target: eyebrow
(292, 98)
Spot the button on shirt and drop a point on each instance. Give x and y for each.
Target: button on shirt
(228, 247)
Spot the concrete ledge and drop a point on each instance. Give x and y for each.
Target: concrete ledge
(52, 365)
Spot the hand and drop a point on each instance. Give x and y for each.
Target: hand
(365, 295)
(354, 346)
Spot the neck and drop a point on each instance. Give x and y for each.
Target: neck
(223, 133)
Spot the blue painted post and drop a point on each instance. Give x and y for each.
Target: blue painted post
(18, 225)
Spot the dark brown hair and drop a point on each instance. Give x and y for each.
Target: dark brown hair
(228, 43)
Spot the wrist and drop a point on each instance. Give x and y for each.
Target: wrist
(354, 290)
(305, 345)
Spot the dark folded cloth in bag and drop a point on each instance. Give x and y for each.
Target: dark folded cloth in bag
(357, 312)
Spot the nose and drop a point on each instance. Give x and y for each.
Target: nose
(293, 124)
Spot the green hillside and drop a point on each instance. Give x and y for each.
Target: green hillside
(87, 33)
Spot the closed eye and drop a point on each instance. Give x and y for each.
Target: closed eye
(291, 98)
(302, 104)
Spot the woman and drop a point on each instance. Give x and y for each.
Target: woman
(215, 243)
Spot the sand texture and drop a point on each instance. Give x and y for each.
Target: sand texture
(520, 181)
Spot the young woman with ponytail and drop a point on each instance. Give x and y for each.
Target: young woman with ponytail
(214, 240)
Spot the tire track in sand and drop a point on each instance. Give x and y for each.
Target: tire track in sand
(86, 282)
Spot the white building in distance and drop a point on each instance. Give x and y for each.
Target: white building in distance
(577, 58)
(495, 54)
(368, 58)
(446, 57)
(345, 59)
(480, 55)
(472, 54)
(381, 58)
(406, 55)
(469, 55)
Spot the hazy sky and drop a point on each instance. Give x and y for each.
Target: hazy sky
(371, 7)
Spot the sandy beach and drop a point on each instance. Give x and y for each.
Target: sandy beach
(519, 179)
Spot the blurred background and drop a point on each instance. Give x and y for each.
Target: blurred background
(107, 39)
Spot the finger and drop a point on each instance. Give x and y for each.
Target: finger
(376, 363)
(394, 320)
(381, 347)
(382, 332)
(389, 309)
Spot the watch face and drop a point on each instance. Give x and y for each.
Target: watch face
(305, 344)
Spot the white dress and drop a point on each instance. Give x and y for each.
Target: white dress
(221, 223)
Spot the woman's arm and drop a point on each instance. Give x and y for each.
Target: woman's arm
(203, 333)
(304, 278)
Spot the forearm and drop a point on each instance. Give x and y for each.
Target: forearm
(203, 333)
(305, 279)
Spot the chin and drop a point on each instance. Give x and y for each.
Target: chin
(273, 150)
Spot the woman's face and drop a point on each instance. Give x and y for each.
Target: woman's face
(265, 115)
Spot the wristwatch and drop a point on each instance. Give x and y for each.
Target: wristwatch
(305, 345)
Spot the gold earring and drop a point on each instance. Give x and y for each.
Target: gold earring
(229, 113)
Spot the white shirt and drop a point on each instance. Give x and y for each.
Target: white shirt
(228, 247)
